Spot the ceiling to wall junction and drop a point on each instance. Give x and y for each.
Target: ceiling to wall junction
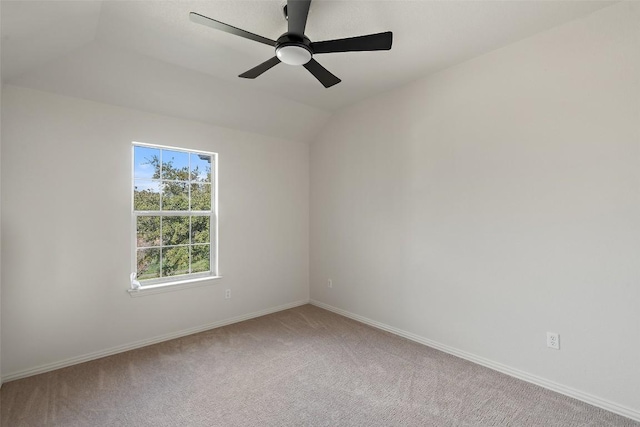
(149, 55)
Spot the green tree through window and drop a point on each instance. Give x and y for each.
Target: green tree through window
(174, 212)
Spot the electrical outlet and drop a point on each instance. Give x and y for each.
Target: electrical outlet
(553, 340)
(330, 283)
(227, 294)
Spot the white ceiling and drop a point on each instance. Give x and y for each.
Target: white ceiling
(147, 54)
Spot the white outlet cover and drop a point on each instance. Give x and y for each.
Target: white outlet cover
(553, 340)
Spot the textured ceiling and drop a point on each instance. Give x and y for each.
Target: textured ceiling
(34, 32)
(67, 47)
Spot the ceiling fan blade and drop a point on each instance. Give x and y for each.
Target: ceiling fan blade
(380, 41)
(201, 19)
(256, 71)
(322, 74)
(297, 12)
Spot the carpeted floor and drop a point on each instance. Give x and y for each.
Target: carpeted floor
(304, 366)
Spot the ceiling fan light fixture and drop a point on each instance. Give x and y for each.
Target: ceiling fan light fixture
(293, 54)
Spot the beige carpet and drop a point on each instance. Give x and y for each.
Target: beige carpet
(304, 366)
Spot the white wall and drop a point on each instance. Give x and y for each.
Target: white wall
(66, 227)
(495, 201)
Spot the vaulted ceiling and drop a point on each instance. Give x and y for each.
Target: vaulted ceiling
(149, 55)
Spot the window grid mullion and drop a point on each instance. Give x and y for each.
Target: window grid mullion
(161, 217)
(173, 246)
(161, 243)
(173, 213)
(189, 208)
(160, 178)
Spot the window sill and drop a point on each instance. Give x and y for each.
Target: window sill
(172, 286)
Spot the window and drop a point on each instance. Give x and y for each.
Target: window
(174, 215)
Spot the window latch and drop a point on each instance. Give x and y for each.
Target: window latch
(134, 283)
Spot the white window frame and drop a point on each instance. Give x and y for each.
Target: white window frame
(184, 280)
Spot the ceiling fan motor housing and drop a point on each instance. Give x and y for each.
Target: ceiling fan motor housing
(293, 49)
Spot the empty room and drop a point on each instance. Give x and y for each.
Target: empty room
(320, 213)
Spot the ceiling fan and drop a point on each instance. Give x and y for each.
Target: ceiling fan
(294, 48)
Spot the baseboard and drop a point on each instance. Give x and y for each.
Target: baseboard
(516, 373)
(143, 343)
